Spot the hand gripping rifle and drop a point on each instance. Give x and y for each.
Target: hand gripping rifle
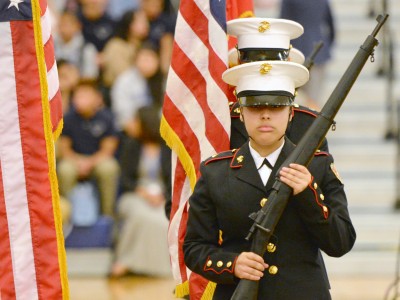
(266, 219)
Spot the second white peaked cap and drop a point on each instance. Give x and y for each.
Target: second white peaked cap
(296, 56)
(267, 76)
(264, 32)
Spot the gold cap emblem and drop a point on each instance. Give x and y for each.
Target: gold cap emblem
(264, 26)
(265, 68)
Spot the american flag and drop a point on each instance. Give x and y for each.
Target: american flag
(32, 254)
(196, 119)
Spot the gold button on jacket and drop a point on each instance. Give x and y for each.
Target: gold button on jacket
(271, 247)
(273, 270)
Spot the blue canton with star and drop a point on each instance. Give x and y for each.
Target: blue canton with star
(218, 10)
(13, 10)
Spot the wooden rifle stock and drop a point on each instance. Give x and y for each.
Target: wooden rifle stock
(266, 219)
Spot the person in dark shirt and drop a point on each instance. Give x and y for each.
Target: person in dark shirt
(162, 28)
(87, 146)
(141, 246)
(97, 26)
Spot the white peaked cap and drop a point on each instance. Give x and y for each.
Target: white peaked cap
(264, 32)
(295, 55)
(267, 76)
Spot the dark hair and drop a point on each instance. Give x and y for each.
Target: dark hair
(90, 83)
(93, 83)
(155, 82)
(149, 118)
(62, 61)
(123, 26)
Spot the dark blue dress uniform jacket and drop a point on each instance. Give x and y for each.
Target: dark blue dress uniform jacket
(230, 189)
(302, 119)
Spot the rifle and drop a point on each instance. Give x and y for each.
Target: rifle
(309, 62)
(266, 219)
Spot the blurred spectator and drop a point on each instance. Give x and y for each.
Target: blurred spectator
(65, 209)
(118, 54)
(318, 24)
(265, 8)
(70, 45)
(117, 8)
(87, 146)
(68, 75)
(171, 6)
(126, 97)
(162, 29)
(142, 243)
(64, 5)
(97, 25)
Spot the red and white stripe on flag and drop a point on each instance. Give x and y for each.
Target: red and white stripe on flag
(32, 254)
(54, 94)
(196, 119)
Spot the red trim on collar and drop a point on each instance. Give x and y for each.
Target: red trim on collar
(306, 112)
(217, 158)
(239, 165)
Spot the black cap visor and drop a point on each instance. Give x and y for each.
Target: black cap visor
(250, 55)
(266, 99)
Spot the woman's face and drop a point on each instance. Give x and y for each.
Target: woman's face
(152, 8)
(266, 126)
(139, 27)
(147, 62)
(86, 100)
